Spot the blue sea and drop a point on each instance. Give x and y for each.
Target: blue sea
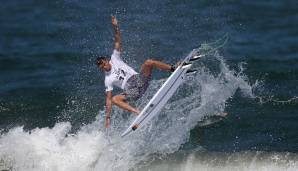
(52, 95)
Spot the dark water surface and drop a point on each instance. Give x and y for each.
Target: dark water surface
(48, 76)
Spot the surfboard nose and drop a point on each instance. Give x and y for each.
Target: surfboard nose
(126, 132)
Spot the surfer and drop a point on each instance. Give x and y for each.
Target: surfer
(119, 74)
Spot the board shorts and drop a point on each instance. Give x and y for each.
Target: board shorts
(136, 86)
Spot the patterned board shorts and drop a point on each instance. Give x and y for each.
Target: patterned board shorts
(136, 86)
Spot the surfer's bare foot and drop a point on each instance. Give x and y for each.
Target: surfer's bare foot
(173, 67)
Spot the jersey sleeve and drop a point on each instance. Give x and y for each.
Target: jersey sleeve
(116, 56)
(108, 85)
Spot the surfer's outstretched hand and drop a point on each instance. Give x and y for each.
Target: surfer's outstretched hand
(114, 21)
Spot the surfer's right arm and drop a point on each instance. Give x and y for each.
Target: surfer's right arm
(117, 34)
(108, 107)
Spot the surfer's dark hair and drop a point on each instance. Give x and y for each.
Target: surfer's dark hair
(100, 59)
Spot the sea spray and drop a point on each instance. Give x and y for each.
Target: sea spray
(93, 147)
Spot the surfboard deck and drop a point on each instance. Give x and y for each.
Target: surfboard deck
(162, 96)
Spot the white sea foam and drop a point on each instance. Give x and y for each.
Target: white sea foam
(244, 161)
(94, 148)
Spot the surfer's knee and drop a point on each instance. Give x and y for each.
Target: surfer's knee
(149, 62)
(116, 99)
(147, 67)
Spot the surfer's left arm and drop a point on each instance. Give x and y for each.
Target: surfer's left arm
(117, 34)
(108, 108)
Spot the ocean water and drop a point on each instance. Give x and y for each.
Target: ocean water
(52, 95)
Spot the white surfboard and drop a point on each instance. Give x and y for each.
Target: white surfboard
(162, 95)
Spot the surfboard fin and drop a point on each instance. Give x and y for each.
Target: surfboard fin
(196, 57)
(185, 65)
(191, 71)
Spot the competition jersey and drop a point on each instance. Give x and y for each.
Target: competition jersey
(119, 73)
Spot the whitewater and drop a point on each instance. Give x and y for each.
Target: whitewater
(93, 147)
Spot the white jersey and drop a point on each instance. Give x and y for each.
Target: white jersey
(119, 73)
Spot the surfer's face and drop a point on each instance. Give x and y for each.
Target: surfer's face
(105, 65)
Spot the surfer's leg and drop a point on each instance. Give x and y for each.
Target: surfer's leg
(119, 100)
(149, 64)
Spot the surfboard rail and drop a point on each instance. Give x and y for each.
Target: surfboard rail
(162, 96)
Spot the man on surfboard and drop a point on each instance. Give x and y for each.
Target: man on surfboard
(119, 74)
